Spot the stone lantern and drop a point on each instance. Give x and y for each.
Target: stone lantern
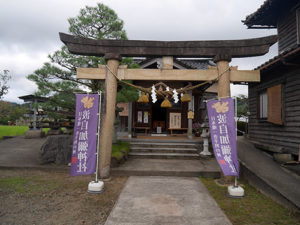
(205, 135)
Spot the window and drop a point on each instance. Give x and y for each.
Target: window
(270, 104)
(263, 105)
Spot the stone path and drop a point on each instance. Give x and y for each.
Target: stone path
(169, 167)
(166, 201)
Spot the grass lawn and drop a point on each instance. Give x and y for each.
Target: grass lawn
(12, 130)
(119, 149)
(254, 208)
(15, 130)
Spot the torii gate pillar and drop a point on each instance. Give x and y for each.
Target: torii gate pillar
(222, 62)
(108, 115)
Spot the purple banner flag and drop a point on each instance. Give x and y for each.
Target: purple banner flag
(85, 135)
(223, 134)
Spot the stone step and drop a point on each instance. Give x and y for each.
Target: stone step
(153, 155)
(182, 141)
(163, 150)
(164, 145)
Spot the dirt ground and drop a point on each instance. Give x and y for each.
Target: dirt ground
(39, 197)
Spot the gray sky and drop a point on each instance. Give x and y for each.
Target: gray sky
(29, 29)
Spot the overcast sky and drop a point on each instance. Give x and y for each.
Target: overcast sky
(29, 29)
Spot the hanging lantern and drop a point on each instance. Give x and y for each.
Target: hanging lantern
(143, 98)
(186, 98)
(166, 103)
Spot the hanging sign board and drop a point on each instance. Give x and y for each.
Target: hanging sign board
(85, 135)
(223, 134)
(175, 120)
(145, 117)
(190, 114)
(140, 117)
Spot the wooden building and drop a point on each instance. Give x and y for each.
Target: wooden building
(151, 118)
(274, 103)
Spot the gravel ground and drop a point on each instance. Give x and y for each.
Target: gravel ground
(39, 197)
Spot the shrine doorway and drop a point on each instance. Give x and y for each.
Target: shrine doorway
(159, 118)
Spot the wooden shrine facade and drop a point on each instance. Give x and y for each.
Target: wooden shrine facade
(151, 118)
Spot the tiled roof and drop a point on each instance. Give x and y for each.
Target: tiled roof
(200, 64)
(281, 58)
(267, 14)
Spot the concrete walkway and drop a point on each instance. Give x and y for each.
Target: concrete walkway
(169, 167)
(268, 175)
(166, 201)
(20, 152)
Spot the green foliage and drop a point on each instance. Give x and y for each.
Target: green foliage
(15, 130)
(10, 112)
(4, 78)
(127, 93)
(119, 149)
(242, 106)
(98, 22)
(57, 77)
(12, 130)
(242, 126)
(254, 208)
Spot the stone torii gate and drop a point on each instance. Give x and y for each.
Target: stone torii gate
(221, 51)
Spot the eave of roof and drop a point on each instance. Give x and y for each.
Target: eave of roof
(31, 98)
(281, 58)
(267, 14)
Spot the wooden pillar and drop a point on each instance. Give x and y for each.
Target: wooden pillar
(190, 121)
(167, 62)
(35, 112)
(108, 115)
(222, 62)
(129, 119)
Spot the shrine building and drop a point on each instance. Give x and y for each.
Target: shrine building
(151, 119)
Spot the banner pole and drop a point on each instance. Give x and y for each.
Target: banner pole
(98, 134)
(96, 186)
(235, 109)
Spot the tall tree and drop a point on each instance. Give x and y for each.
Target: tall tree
(57, 77)
(11, 112)
(242, 106)
(4, 78)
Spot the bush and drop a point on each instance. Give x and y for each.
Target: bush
(120, 149)
(242, 126)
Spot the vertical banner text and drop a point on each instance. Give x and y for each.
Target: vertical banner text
(85, 135)
(223, 134)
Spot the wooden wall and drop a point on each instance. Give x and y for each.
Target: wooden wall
(287, 135)
(287, 30)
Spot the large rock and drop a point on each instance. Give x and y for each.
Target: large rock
(57, 149)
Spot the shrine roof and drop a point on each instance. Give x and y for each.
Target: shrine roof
(200, 64)
(31, 98)
(290, 56)
(267, 14)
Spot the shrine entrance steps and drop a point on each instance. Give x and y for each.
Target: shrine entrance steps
(164, 149)
(181, 158)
